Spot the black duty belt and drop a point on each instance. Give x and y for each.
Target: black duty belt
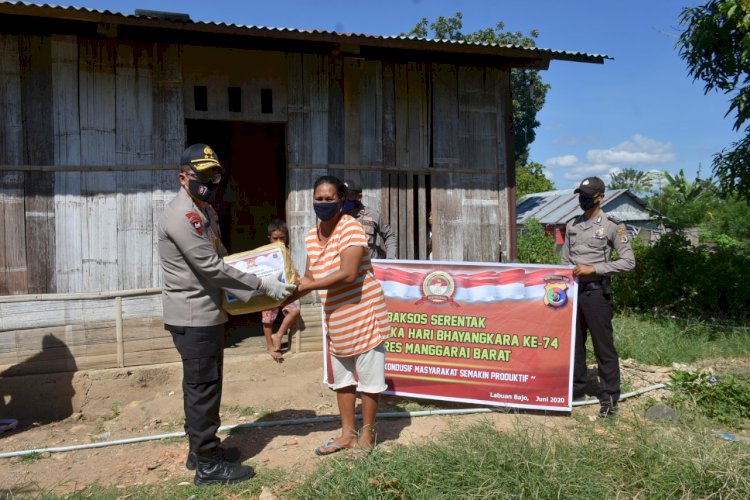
(602, 283)
(587, 286)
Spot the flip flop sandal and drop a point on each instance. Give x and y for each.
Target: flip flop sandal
(333, 448)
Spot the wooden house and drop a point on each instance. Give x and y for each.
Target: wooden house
(97, 107)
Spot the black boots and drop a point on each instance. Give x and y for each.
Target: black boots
(608, 408)
(214, 469)
(227, 454)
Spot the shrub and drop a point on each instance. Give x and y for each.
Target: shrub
(675, 277)
(725, 398)
(535, 246)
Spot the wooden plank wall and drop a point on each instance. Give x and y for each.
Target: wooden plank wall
(81, 116)
(97, 109)
(412, 92)
(307, 143)
(134, 146)
(12, 255)
(169, 136)
(69, 206)
(36, 99)
(477, 148)
(470, 207)
(416, 136)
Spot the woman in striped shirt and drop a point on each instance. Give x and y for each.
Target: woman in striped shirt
(356, 321)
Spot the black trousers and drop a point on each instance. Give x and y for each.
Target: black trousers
(595, 316)
(202, 352)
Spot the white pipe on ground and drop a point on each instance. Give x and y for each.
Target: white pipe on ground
(296, 421)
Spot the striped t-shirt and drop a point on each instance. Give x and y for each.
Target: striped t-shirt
(355, 314)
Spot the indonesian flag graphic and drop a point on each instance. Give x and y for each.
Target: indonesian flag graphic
(483, 286)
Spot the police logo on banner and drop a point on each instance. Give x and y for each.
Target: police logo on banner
(555, 291)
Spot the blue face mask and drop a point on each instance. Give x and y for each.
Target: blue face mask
(586, 203)
(350, 205)
(327, 210)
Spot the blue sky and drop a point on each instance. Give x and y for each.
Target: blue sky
(640, 110)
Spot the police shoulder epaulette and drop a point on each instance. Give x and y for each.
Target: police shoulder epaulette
(614, 219)
(572, 218)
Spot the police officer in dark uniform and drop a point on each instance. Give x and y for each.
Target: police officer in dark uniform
(371, 222)
(589, 241)
(195, 277)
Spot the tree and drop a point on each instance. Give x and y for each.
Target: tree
(531, 179)
(716, 47)
(630, 178)
(686, 204)
(529, 91)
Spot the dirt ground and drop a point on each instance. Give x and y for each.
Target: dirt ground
(110, 405)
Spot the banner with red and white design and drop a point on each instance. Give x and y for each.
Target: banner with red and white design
(495, 334)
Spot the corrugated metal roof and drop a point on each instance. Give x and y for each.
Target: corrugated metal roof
(557, 207)
(388, 41)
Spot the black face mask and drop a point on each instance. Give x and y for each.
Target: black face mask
(586, 203)
(202, 191)
(350, 205)
(327, 210)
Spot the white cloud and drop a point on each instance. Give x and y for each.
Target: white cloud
(561, 161)
(640, 151)
(573, 140)
(580, 171)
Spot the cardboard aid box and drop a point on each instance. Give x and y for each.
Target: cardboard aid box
(262, 262)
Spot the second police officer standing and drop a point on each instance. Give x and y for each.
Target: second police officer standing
(589, 241)
(195, 277)
(371, 222)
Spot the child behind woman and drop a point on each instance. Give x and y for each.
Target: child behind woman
(277, 231)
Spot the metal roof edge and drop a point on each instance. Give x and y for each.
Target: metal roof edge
(384, 41)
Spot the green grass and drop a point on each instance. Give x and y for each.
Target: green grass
(620, 459)
(663, 341)
(31, 457)
(116, 407)
(623, 458)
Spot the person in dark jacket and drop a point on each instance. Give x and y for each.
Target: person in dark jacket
(371, 222)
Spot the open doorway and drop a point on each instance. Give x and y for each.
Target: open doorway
(253, 190)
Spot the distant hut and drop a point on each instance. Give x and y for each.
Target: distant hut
(553, 209)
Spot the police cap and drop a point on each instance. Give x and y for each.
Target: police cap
(590, 186)
(201, 159)
(353, 187)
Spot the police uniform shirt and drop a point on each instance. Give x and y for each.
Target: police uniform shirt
(371, 222)
(194, 273)
(590, 242)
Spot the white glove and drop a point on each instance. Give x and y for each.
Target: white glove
(274, 288)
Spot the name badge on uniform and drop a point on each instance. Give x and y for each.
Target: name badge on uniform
(599, 234)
